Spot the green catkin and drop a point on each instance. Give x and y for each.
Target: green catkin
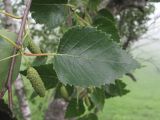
(33, 48)
(64, 92)
(36, 81)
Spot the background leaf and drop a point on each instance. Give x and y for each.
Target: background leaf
(48, 12)
(87, 57)
(105, 22)
(7, 50)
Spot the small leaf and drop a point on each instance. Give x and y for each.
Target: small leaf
(98, 98)
(47, 75)
(87, 57)
(49, 12)
(93, 4)
(90, 116)
(117, 89)
(107, 14)
(75, 108)
(106, 23)
(7, 50)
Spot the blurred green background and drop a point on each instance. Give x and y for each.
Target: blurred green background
(143, 101)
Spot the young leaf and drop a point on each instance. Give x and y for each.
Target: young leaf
(75, 108)
(117, 89)
(48, 12)
(98, 98)
(6, 50)
(87, 57)
(105, 22)
(107, 14)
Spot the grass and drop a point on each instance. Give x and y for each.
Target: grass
(142, 103)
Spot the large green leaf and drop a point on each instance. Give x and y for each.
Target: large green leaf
(87, 57)
(47, 75)
(49, 12)
(6, 50)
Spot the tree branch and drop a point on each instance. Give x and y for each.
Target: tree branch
(13, 60)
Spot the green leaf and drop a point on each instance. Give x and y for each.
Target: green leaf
(47, 75)
(117, 89)
(87, 57)
(90, 116)
(49, 12)
(107, 14)
(75, 108)
(6, 50)
(98, 98)
(93, 4)
(105, 22)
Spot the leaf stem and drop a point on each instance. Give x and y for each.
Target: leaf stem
(10, 41)
(41, 54)
(10, 15)
(9, 57)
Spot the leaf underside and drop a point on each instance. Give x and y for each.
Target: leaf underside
(87, 57)
(49, 12)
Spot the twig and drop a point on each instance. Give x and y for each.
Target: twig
(10, 15)
(13, 61)
(41, 54)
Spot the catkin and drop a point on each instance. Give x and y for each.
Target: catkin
(36, 81)
(33, 48)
